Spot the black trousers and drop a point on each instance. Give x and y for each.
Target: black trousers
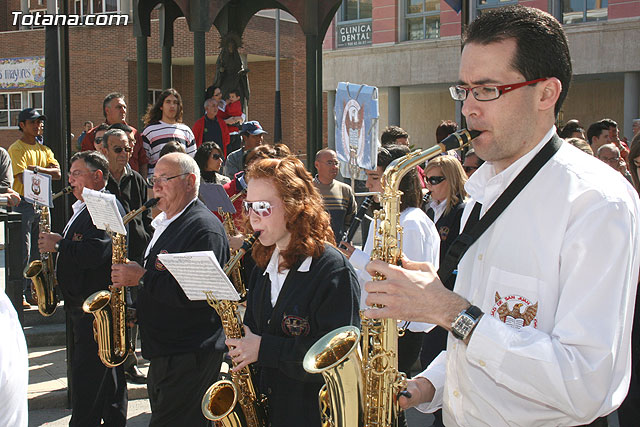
(176, 385)
(409, 346)
(98, 393)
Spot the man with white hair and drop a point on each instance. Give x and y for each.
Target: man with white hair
(211, 127)
(178, 335)
(610, 154)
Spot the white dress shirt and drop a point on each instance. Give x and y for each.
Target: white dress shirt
(438, 208)
(160, 223)
(565, 252)
(278, 277)
(14, 367)
(420, 242)
(77, 207)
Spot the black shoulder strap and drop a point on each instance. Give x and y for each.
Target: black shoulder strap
(475, 226)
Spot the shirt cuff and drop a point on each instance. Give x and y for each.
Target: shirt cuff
(435, 373)
(359, 259)
(418, 326)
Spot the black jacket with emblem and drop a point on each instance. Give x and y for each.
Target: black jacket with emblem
(169, 322)
(309, 305)
(448, 227)
(84, 261)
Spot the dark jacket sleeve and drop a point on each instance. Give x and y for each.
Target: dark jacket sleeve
(337, 305)
(162, 285)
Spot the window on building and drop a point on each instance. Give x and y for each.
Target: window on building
(36, 100)
(10, 107)
(92, 7)
(574, 11)
(11, 103)
(490, 4)
(152, 96)
(354, 10)
(422, 19)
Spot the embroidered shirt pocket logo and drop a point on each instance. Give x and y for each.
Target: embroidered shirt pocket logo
(515, 310)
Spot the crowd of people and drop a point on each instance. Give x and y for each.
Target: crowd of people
(502, 305)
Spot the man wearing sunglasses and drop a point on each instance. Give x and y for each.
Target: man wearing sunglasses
(540, 334)
(178, 335)
(471, 162)
(130, 189)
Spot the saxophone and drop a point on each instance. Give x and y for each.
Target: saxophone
(369, 375)
(41, 271)
(110, 307)
(235, 275)
(234, 403)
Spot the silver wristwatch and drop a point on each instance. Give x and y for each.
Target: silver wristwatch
(464, 323)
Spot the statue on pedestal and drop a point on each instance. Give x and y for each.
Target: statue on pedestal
(231, 74)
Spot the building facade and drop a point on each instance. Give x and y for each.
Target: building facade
(410, 50)
(102, 59)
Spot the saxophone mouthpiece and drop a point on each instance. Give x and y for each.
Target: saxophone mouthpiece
(151, 202)
(65, 190)
(458, 139)
(249, 241)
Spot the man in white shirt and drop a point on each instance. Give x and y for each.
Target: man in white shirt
(14, 367)
(540, 333)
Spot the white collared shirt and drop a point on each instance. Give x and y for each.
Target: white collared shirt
(438, 208)
(160, 223)
(278, 277)
(14, 367)
(77, 207)
(556, 278)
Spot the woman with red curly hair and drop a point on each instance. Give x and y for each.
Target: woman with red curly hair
(302, 288)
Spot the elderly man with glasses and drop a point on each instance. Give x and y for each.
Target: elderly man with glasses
(98, 393)
(339, 200)
(178, 335)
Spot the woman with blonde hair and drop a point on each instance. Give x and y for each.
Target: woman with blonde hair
(445, 181)
(302, 288)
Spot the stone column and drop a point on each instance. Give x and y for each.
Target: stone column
(393, 105)
(631, 102)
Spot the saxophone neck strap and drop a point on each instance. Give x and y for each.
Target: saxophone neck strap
(476, 226)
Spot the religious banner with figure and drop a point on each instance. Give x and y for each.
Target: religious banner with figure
(356, 111)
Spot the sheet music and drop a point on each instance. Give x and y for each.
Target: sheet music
(214, 197)
(104, 211)
(199, 272)
(37, 188)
